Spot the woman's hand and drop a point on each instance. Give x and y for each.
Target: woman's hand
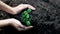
(14, 10)
(17, 24)
(20, 7)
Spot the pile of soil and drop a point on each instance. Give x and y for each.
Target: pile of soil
(45, 19)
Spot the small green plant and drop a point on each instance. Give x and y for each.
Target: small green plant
(26, 17)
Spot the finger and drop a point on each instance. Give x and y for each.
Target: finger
(18, 28)
(18, 23)
(31, 7)
(26, 28)
(23, 6)
(21, 25)
(23, 28)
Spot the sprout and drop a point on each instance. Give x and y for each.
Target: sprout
(28, 23)
(29, 10)
(26, 17)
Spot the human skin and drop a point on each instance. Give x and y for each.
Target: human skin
(14, 10)
(15, 23)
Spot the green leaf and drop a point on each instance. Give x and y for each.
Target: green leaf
(25, 12)
(29, 19)
(29, 10)
(28, 23)
(23, 16)
(27, 16)
(22, 19)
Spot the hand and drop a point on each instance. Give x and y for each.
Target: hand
(21, 7)
(17, 24)
(14, 10)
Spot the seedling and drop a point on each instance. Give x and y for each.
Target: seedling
(26, 17)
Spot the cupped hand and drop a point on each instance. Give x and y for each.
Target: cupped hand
(17, 24)
(20, 7)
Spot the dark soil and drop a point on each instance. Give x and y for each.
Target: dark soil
(45, 19)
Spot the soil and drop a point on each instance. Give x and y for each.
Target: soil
(45, 19)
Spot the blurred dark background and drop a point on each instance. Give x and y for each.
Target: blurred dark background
(45, 19)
